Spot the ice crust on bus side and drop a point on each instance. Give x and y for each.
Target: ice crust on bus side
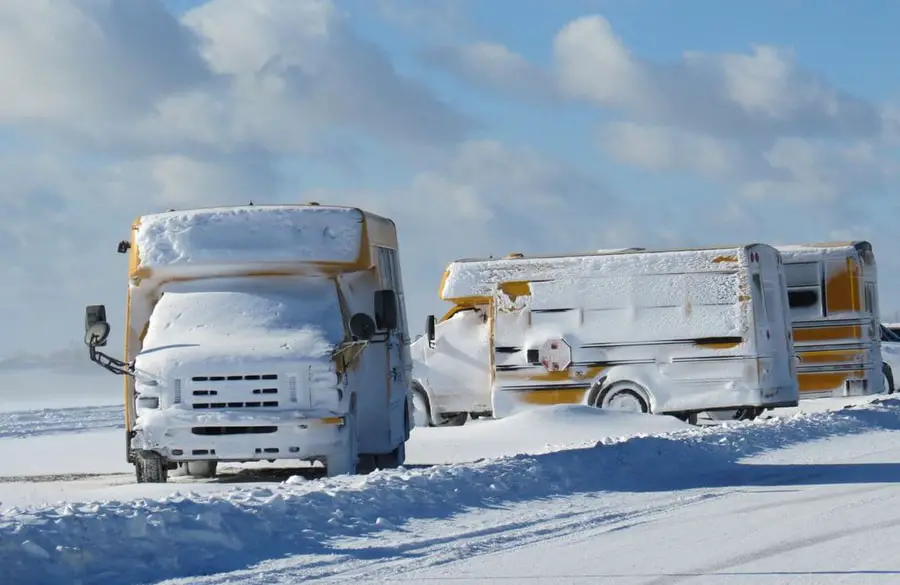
(800, 252)
(475, 278)
(676, 306)
(248, 235)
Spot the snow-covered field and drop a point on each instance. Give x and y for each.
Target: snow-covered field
(560, 495)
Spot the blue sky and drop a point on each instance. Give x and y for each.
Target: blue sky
(480, 127)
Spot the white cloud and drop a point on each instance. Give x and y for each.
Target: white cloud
(488, 198)
(116, 108)
(80, 64)
(755, 122)
(435, 19)
(493, 64)
(665, 148)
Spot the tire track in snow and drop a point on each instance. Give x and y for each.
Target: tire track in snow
(55, 421)
(789, 546)
(415, 554)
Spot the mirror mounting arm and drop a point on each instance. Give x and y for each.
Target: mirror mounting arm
(110, 363)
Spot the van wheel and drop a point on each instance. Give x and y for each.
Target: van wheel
(624, 397)
(888, 378)
(455, 420)
(421, 410)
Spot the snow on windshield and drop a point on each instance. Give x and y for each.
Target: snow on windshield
(218, 320)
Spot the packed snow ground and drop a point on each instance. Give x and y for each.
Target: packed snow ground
(560, 495)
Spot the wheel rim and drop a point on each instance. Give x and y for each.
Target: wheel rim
(626, 402)
(420, 411)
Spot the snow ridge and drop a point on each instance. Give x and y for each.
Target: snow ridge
(191, 535)
(51, 421)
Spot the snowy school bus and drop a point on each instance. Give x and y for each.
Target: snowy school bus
(833, 298)
(261, 332)
(662, 331)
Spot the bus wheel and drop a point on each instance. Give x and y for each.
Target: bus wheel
(150, 468)
(887, 378)
(623, 397)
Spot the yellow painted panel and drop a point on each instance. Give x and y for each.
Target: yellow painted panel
(516, 289)
(819, 381)
(842, 287)
(465, 304)
(726, 345)
(550, 397)
(720, 259)
(567, 375)
(829, 356)
(827, 333)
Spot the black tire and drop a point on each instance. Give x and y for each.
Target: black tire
(150, 469)
(748, 413)
(454, 420)
(889, 378)
(392, 460)
(366, 464)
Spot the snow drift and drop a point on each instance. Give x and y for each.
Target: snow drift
(190, 534)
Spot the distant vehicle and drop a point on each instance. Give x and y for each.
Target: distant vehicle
(667, 331)
(260, 333)
(893, 328)
(890, 356)
(833, 295)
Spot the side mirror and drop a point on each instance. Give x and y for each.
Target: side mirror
(362, 326)
(385, 309)
(429, 328)
(96, 329)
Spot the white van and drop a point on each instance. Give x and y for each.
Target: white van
(265, 332)
(667, 331)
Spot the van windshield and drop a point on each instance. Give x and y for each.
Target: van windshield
(300, 316)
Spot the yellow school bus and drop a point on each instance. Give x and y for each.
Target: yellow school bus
(833, 298)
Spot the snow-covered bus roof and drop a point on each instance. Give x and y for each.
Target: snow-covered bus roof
(809, 252)
(475, 277)
(253, 235)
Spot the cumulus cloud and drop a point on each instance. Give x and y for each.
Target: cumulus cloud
(115, 108)
(488, 198)
(754, 121)
(495, 65)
